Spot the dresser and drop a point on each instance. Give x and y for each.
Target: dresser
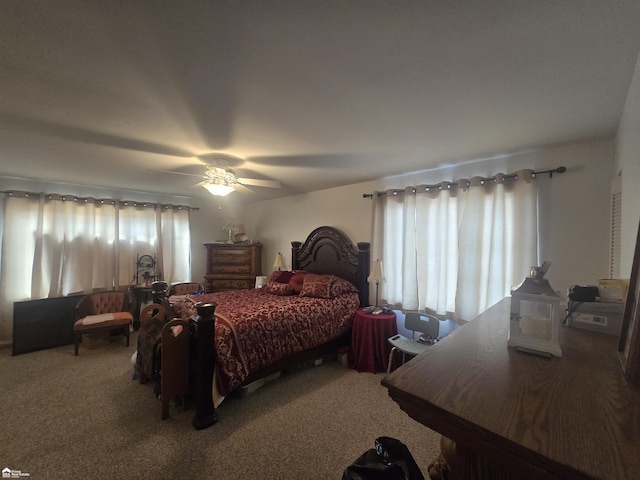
(232, 266)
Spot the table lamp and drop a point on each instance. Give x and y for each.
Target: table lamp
(279, 262)
(535, 315)
(238, 232)
(376, 276)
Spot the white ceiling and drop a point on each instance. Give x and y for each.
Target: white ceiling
(314, 94)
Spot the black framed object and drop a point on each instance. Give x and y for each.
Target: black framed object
(629, 344)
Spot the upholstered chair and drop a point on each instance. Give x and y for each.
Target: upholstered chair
(102, 312)
(184, 288)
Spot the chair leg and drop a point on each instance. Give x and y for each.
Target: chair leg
(127, 333)
(76, 341)
(393, 349)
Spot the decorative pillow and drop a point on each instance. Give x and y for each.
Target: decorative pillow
(285, 277)
(280, 276)
(277, 288)
(340, 286)
(297, 281)
(274, 275)
(317, 286)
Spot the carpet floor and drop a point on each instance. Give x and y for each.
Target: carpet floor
(84, 417)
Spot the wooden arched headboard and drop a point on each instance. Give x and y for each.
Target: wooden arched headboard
(329, 251)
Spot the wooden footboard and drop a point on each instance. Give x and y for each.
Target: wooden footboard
(175, 364)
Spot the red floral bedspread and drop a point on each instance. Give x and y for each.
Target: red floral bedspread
(254, 328)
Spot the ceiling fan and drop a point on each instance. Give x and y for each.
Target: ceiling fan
(220, 180)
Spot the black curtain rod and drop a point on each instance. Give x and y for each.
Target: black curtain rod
(454, 184)
(108, 201)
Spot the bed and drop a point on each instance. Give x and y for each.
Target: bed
(299, 315)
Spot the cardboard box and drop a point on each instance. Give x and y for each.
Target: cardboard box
(603, 317)
(245, 390)
(613, 289)
(343, 356)
(95, 340)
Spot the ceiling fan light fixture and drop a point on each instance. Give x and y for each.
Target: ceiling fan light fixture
(219, 189)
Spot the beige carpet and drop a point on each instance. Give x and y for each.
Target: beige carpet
(83, 417)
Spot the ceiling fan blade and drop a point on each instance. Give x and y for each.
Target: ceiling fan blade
(242, 189)
(259, 183)
(176, 173)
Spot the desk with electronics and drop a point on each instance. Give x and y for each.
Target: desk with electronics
(519, 416)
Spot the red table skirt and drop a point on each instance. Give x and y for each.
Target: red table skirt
(369, 341)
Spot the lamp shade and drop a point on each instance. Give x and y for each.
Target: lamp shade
(376, 274)
(218, 189)
(279, 262)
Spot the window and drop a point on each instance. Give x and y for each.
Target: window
(456, 247)
(54, 245)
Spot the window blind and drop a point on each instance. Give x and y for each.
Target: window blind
(616, 228)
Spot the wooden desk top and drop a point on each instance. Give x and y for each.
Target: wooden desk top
(569, 417)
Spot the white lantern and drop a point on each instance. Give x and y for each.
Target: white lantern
(535, 316)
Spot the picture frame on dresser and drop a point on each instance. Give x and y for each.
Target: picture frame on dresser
(629, 344)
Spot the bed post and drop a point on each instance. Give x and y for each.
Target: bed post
(158, 291)
(364, 264)
(295, 251)
(204, 328)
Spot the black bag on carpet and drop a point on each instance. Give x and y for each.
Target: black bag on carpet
(390, 460)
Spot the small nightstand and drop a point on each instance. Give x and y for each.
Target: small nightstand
(369, 346)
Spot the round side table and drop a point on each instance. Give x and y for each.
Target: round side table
(369, 346)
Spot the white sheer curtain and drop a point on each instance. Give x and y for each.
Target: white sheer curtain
(53, 246)
(456, 248)
(73, 246)
(137, 235)
(174, 249)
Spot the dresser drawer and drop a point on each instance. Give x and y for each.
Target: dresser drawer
(226, 268)
(225, 251)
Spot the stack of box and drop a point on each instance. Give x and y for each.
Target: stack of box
(613, 289)
(604, 317)
(95, 340)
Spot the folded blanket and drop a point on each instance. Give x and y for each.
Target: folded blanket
(105, 317)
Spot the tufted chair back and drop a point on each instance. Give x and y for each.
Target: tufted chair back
(184, 288)
(102, 302)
